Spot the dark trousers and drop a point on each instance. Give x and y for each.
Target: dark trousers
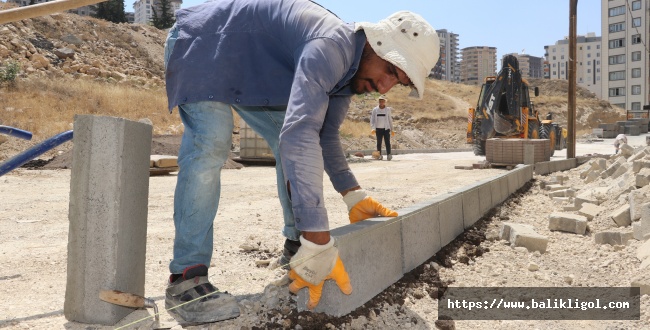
(383, 133)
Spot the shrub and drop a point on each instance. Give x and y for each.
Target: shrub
(8, 71)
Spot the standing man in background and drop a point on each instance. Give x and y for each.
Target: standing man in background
(620, 139)
(382, 126)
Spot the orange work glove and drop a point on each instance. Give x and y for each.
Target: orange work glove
(338, 274)
(362, 207)
(372, 132)
(392, 133)
(314, 264)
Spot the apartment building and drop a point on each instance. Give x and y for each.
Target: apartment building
(589, 57)
(448, 67)
(144, 9)
(625, 29)
(477, 63)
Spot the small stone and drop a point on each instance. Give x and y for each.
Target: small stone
(533, 267)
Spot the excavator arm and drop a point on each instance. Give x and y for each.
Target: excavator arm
(501, 107)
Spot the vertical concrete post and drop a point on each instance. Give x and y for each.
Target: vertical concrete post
(109, 189)
(529, 154)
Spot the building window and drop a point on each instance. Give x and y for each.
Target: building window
(636, 22)
(617, 75)
(620, 10)
(588, 62)
(589, 55)
(636, 89)
(618, 91)
(598, 47)
(636, 5)
(554, 64)
(616, 27)
(554, 58)
(588, 70)
(636, 39)
(617, 43)
(562, 64)
(636, 73)
(617, 59)
(636, 105)
(554, 73)
(636, 56)
(588, 47)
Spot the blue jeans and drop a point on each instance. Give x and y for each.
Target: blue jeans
(204, 150)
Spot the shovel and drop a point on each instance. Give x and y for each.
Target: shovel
(131, 300)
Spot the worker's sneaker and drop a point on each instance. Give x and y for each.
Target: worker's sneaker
(290, 249)
(192, 298)
(381, 157)
(389, 157)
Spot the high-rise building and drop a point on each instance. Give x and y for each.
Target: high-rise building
(448, 66)
(625, 64)
(477, 63)
(529, 66)
(144, 9)
(588, 62)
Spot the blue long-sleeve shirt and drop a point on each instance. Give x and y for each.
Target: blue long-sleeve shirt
(269, 52)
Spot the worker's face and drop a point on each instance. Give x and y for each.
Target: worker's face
(376, 74)
(382, 103)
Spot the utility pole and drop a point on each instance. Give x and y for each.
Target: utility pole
(571, 143)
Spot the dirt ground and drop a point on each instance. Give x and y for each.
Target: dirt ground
(34, 227)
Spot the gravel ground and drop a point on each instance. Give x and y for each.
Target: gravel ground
(33, 245)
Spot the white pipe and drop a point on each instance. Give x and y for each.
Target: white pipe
(42, 9)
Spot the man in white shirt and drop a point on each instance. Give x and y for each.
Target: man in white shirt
(382, 126)
(620, 139)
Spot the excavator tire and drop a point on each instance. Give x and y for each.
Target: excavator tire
(533, 129)
(547, 131)
(479, 145)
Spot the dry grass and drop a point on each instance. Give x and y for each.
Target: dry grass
(47, 107)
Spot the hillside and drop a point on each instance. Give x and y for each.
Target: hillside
(75, 65)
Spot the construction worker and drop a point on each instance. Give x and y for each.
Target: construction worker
(289, 69)
(620, 139)
(381, 122)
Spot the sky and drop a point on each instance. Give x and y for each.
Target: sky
(523, 26)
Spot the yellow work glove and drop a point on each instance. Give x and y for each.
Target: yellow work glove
(312, 265)
(392, 133)
(362, 207)
(372, 132)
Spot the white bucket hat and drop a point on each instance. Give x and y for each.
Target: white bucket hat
(407, 41)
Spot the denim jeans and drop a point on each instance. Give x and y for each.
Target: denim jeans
(204, 149)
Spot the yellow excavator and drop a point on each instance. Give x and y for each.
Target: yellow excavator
(505, 110)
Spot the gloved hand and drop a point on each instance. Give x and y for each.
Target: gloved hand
(373, 132)
(392, 133)
(312, 265)
(362, 207)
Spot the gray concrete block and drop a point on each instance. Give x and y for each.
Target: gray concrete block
(622, 169)
(513, 182)
(637, 165)
(109, 190)
(636, 199)
(542, 168)
(451, 217)
(529, 154)
(505, 193)
(626, 150)
(592, 176)
(471, 207)
(485, 197)
(590, 211)
(372, 253)
(524, 236)
(642, 179)
(495, 188)
(621, 216)
(613, 237)
(571, 223)
(554, 187)
(420, 234)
